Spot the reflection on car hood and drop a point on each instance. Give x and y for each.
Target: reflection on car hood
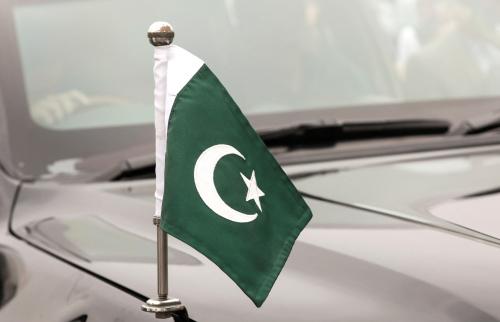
(408, 190)
(348, 264)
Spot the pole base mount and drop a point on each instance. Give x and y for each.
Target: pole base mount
(162, 309)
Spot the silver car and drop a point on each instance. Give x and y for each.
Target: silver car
(385, 113)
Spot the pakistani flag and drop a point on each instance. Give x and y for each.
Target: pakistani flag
(220, 191)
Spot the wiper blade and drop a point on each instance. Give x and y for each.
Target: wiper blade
(141, 167)
(326, 134)
(132, 168)
(478, 124)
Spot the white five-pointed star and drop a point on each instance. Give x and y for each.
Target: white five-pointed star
(253, 190)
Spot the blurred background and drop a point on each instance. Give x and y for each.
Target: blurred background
(87, 63)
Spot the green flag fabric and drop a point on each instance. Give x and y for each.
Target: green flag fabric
(224, 193)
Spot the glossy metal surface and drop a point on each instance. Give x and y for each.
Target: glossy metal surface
(163, 309)
(353, 265)
(160, 33)
(162, 258)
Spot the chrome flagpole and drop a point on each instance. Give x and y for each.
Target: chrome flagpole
(162, 34)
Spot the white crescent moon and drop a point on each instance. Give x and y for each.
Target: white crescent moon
(204, 181)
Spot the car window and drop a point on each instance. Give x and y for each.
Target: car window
(87, 64)
(77, 77)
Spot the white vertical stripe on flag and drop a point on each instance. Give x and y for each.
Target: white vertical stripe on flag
(173, 69)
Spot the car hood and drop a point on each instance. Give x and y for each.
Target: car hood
(444, 192)
(374, 249)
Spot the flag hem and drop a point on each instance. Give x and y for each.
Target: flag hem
(280, 261)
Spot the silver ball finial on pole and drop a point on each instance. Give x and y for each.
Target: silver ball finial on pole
(160, 33)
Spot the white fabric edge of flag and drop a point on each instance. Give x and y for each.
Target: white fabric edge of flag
(173, 69)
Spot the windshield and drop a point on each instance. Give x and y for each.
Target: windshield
(86, 64)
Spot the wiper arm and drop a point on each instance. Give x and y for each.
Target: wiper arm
(136, 169)
(326, 134)
(132, 168)
(478, 124)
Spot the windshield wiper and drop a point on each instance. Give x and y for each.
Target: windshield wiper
(308, 135)
(131, 168)
(326, 134)
(478, 124)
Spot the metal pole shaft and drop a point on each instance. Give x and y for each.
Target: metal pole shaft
(161, 34)
(162, 258)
